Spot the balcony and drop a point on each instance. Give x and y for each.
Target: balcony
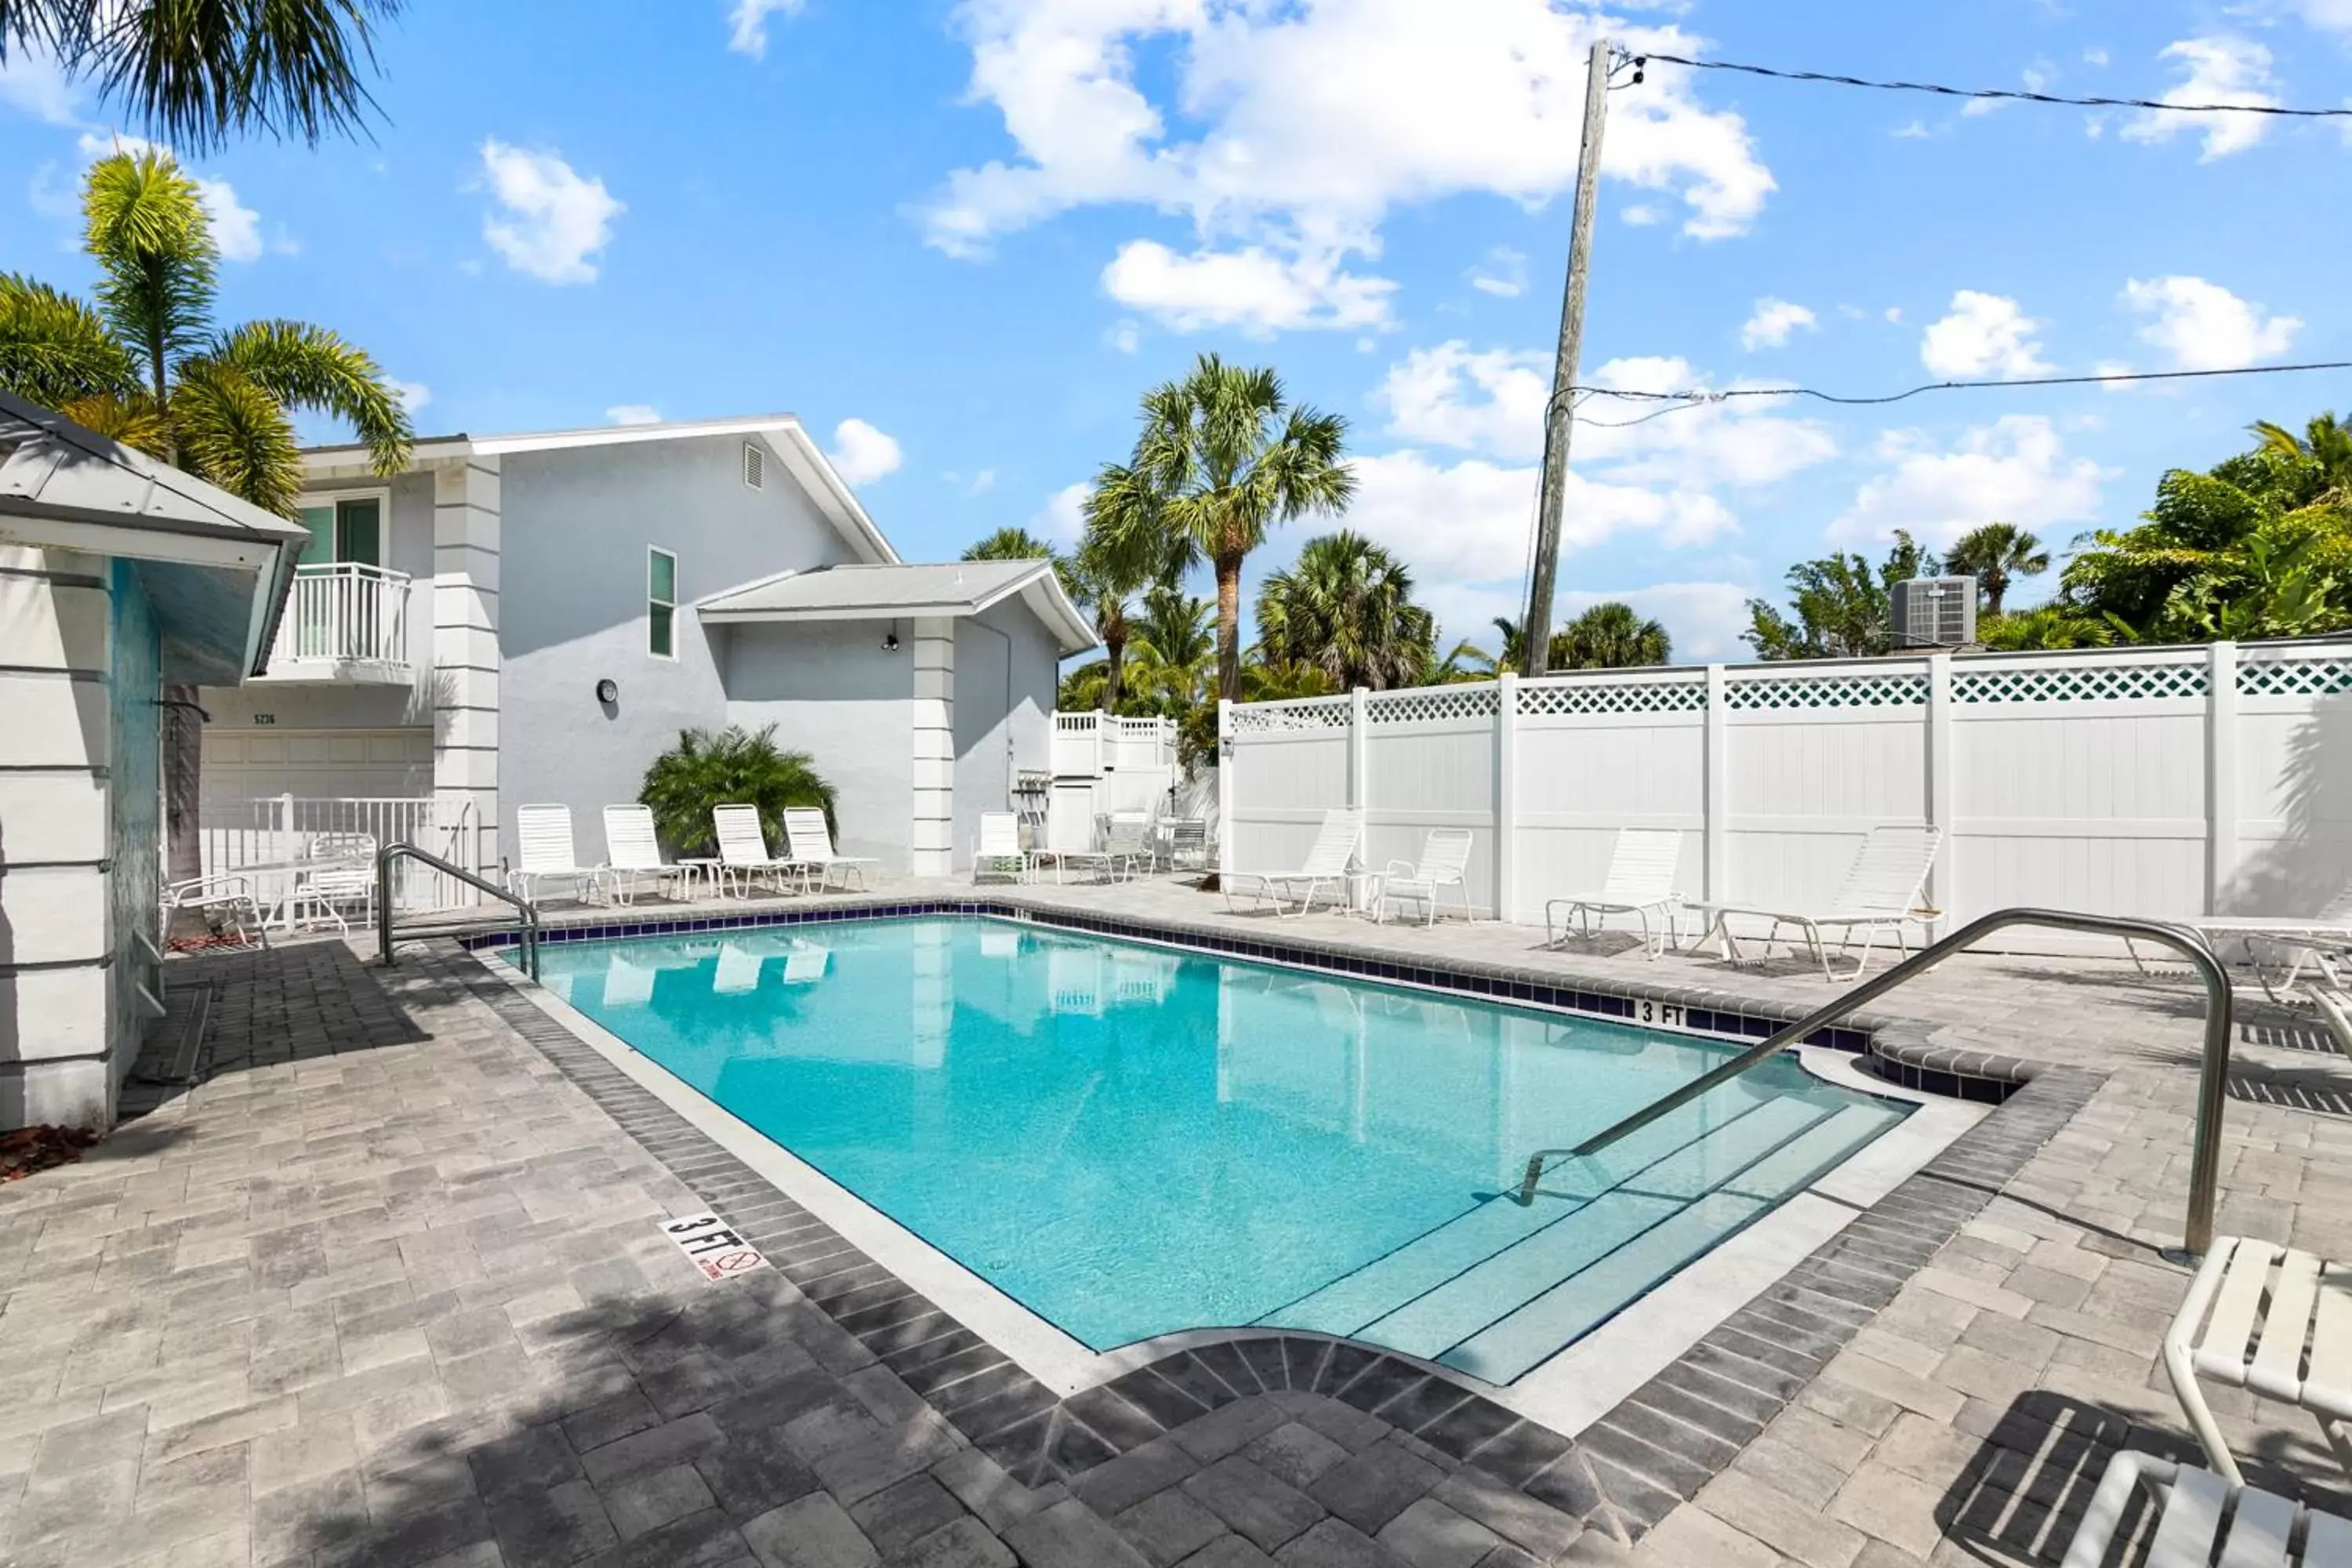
(345, 624)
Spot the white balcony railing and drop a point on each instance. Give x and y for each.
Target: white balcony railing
(344, 621)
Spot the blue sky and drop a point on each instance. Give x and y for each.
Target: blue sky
(959, 240)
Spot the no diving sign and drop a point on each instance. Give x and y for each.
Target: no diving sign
(711, 1246)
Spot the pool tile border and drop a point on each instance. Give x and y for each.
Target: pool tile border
(1622, 1474)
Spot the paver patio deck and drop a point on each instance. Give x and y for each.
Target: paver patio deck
(385, 1286)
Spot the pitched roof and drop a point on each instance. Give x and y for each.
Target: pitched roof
(947, 589)
(51, 466)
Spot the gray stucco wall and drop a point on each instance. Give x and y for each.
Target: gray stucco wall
(833, 692)
(574, 529)
(990, 708)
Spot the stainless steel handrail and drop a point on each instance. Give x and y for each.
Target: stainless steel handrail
(527, 922)
(2205, 1161)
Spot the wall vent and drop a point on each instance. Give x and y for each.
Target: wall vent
(755, 466)
(1935, 612)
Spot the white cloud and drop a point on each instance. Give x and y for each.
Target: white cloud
(748, 22)
(1771, 323)
(2217, 70)
(634, 414)
(1062, 518)
(32, 82)
(862, 454)
(2012, 470)
(236, 229)
(1125, 336)
(1294, 129)
(1643, 214)
(981, 482)
(1895, 314)
(2328, 16)
(2096, 58)
(1983, 334)
(1917, 130)
(550, 223)
(1502, 273)
(2203, 326)
(413, 396)
(1252, 290)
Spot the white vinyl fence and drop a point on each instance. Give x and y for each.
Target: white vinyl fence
(2163, 782)
(269, 837)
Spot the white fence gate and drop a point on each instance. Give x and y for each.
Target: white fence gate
(2160, 781)
(271, 834)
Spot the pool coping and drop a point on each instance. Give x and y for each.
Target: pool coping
(1625, 1470)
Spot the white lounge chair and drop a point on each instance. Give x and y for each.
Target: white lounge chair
(743, 852)
(2279, 1326)
(2202, 1518)
(1328, 865)
(1640, 882)
(2320, 941)
(812, 845)
(338, 873)
(633, 853)
(543, 835)
(1880, 893)
(226, 903)
(997, 850)
(1444, 860)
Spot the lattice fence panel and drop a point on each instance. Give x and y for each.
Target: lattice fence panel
(1554, 698)
(1786, 693)
(2077, 682)
(1429, 704)
(2294, 677)
(1289, 718)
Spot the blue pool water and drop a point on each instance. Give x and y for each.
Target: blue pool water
(1130, 1140)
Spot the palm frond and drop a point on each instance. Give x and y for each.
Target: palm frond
(54, 349)
(305, 366)
(199, 71)
(134, 419)
(233, 431)
(144, 225)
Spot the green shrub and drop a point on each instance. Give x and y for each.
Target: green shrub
(734, 766)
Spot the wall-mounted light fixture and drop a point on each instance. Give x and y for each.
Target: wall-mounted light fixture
(608, 691)
(889, 642)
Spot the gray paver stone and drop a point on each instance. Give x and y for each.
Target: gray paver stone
(1431, 1535)
(1296, 1453)
(966, 1543)
(980, 1484)
(1335, 1543)
(1510, 1513)
(1134, 1475)
(1169, 1527)
(647, 1501)
(1372, 1487)
(899, 1515)
(545, 1529)
(1268, 1510)
(1229, 1428)
(1071, 1535)
(1228, 1551)
(813, 1532)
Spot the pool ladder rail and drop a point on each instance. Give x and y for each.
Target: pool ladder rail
(2213, 1074)
(526, 923)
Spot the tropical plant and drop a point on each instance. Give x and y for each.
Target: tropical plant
(2261, 526)
(1465, 661)
(1172, 651)
(1839, 605)
(147, 366)
(2325, 444)
(2045, 626)
(1996, 554)
(198, 73)
(1020, 544)
(1610, 635)
(1224, 456)
(733, 766)
(1511, 651)
(1346, 608)
(1104, 584)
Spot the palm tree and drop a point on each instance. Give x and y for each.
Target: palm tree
(1994, 554)
(1513, 651)
(1609, 636)
(196, 74)
(1011, 544)
(2325, 442)
(147, 366)
(1104, 584)
(1171, 649)
(1345, 606)
(1223, 457)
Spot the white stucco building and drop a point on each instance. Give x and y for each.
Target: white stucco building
(444, 656)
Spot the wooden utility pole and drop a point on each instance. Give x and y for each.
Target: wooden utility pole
(1559, 417)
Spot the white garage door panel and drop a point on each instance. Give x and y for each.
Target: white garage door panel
(252, 764)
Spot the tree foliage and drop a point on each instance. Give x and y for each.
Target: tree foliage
(1346, 609)
(1839, 605)
(1610, 635)
(733, 766)
(1996, 554)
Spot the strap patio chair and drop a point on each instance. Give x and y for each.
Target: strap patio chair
(1642, 864)
(811, 842)
(633, 854)
(1880, 894)
(544, 836)
(339, 872)
(2274, 1321)
(997, 851)
(1329, 866)
(743, 853)
(2202, 1518)
(225, 901)
(1444, 863)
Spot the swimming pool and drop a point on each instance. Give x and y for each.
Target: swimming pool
(1130, 1140)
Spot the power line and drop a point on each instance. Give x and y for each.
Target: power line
(1698, 396)
(1995, 92)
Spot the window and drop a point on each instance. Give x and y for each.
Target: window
(661, 604)
(343, 529)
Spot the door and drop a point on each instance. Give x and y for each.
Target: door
(335, 612)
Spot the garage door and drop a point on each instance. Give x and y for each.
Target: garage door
(253, 764)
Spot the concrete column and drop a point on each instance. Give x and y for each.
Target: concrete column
(931, 840)
(466, 657)
(62, 1018)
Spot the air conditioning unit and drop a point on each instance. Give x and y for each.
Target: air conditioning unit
(1935, 612)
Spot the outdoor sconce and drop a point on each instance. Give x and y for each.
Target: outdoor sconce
(608, 691)
(889, 642)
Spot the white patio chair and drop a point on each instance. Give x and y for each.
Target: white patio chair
(2280, 1327)
(743, 852)
(1880, 893)
(812, 845)
(1118, 842)
(2321, 941)
(544, 836)
(1642, 864)
(997, 850)
(340, 872)
(1444, 859)
(633, 853)
(738, 970)
(1327, 864)
(225, 901)
(1187, 838)
(2202, 1518)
